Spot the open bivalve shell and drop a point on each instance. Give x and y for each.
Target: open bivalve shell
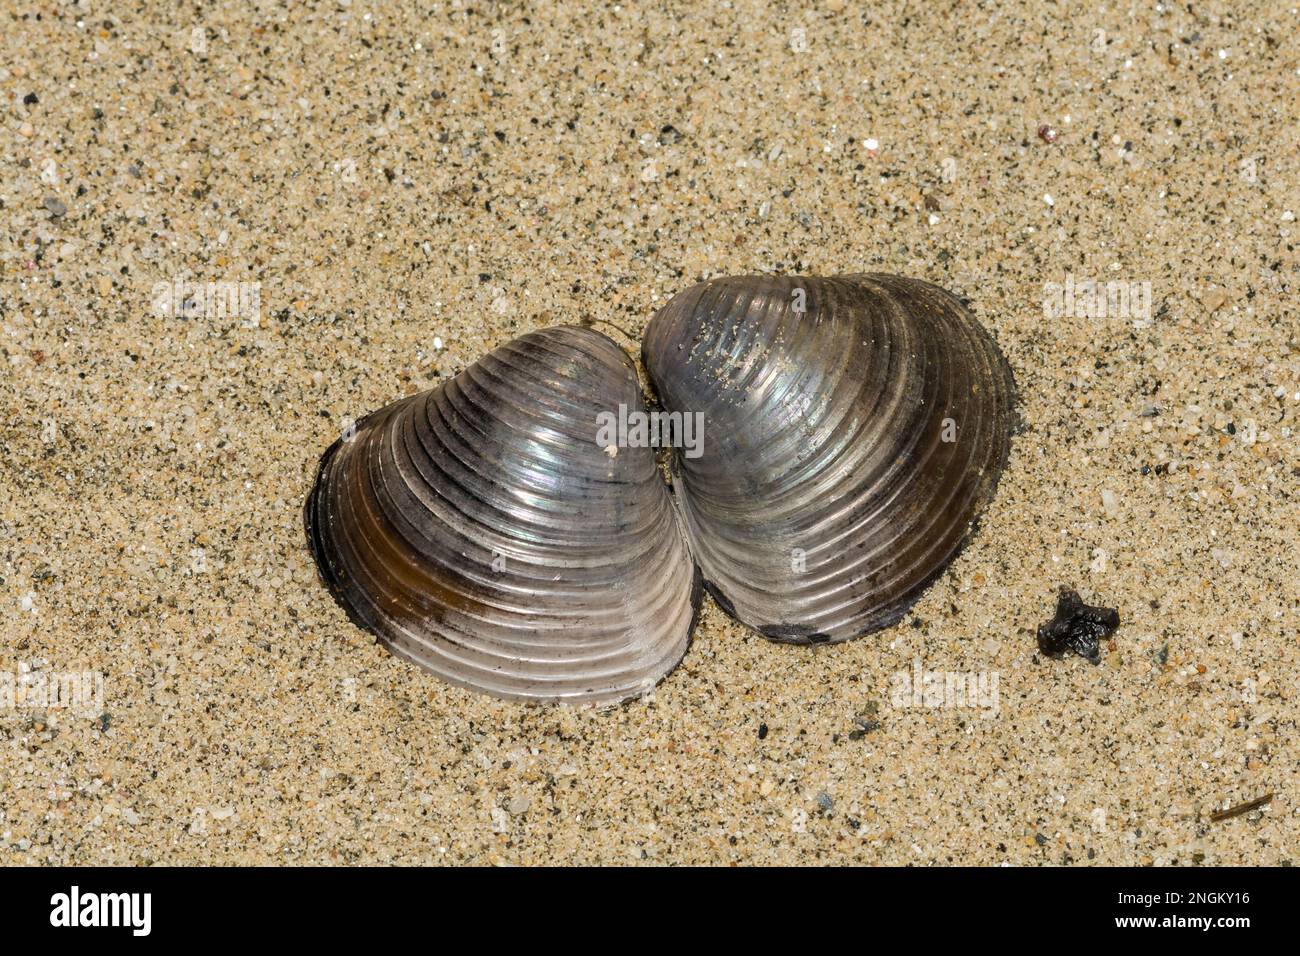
(854, 427)
(480, 531)
(848, 432)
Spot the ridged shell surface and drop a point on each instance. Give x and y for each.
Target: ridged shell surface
(480, 531)
(854, 427)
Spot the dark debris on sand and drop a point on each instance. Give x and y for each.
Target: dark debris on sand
(1079, 628)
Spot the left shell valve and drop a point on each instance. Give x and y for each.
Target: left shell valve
(479, 530)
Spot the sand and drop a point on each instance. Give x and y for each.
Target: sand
(408, 188)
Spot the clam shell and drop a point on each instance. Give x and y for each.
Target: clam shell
(480, 531)
(826, 497)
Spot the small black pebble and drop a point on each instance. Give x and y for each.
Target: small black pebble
(1077, 627)
(30, 99)
(863, 727)
(762, 731)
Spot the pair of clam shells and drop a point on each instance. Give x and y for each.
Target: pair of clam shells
(853, 429)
